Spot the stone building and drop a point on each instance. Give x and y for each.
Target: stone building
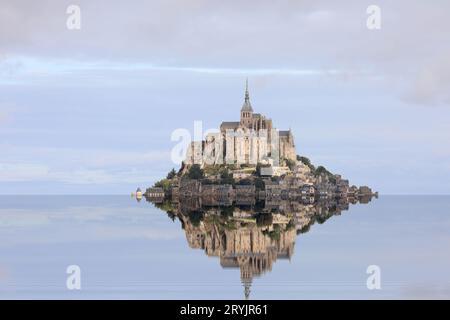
(251, 140)
(247, 247)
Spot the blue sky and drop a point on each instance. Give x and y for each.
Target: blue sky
(91, 111)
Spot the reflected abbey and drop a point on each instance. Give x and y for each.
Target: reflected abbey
(247, 233)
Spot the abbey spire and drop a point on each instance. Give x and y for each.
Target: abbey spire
(247, 105)
(246, 110)
(248, 141)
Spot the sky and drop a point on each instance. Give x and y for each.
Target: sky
(91, 111)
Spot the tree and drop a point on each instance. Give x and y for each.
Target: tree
(227, 177)
(259, 184)
(164, 184)
(181, 170)
(306, 162)
(195, 217)
(275, 234)
(227, 211)
(291, 164)
(264, 219)
(195, 172)
(321, 170)
(172, 174)
(245, 182)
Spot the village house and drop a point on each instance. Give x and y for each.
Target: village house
(154, 192)
(307, 190)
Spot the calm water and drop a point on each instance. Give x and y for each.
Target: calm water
(130, 249)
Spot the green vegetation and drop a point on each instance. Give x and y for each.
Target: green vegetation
(227, 211)
(196, 217)
(290, 163)
(215, 169)
(166, 205)
(195, 172)
(209, 182)
(275, 234)
(305, 228)
(212, 170)
(171, 215)
(181, 170)
(332, 179)
(223, 171)
(245, 182)
(259, 184)
(306, 162)
(290, 225)
(321, 170)
(264, 219)
(259, 205)
(227, 177)
(165, 184)
(172, 174)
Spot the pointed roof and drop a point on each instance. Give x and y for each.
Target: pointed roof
(247, 283)
(247, 105)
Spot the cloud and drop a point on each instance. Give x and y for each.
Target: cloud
(9, 67)
(78, 166)
(102, 73)
(96, 158)
(431, 85)
(10, 172)
(286, 37)
(135, 72)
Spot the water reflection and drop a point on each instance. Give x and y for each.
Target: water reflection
(249, 234)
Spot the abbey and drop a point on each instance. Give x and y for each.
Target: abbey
(250, 141)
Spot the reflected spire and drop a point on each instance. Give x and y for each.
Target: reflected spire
(247, 285)
(245, 236)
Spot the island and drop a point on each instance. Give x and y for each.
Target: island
(249, 161)
(243, 194)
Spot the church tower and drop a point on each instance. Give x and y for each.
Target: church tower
(246, 110)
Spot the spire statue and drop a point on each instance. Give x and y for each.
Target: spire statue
(247, 95)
